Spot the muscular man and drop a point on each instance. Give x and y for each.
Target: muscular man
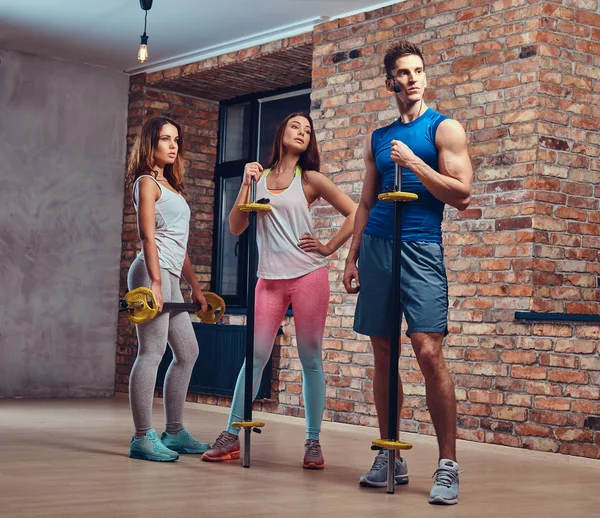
(431, 149)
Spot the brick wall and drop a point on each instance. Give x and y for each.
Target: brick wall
(522, 77)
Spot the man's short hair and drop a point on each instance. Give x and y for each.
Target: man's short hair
(399, 50)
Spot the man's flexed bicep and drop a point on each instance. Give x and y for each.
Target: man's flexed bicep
(454, 161)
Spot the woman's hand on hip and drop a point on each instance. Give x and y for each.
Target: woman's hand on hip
(309, 243)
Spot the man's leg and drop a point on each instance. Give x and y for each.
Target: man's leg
(377, 476)
(381, 383)
(441, 402)
(439, 388)
(372, 319)
(426, 312)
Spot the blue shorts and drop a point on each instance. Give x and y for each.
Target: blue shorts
(423, 294)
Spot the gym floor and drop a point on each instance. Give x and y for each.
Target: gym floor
(69, 458)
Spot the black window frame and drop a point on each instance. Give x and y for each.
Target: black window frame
(236, 304)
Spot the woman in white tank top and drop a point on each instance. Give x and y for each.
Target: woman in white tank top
(155, 173)
(291, 269)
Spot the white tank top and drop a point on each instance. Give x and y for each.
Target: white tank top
(172, 215)
(279, 231)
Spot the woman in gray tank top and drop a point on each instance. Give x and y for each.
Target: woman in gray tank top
(155, 174)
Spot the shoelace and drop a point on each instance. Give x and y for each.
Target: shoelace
(445, 477)
(223, 440)
(158, 445)
(313, 448)
(380, 461)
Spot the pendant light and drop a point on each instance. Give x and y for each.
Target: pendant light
(142, 56)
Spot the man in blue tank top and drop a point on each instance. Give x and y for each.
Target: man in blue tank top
(431, 149)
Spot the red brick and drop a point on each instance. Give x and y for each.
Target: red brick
(533, 429)
(552, 418)
(518, 400)
(538, 373)
(543, 388)
(540, 444)
(481, 396)
(567, 376)
(552, 330)
(473, 409)
(552, 403)
(582, 450)
(339, 406)
(502, 439)
(575, 346)
(590, 363)
(518, 357)
(559, 360)
(582, 392)
(509, 413)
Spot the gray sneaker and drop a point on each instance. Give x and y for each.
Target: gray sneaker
(445, 487)
(377, 477)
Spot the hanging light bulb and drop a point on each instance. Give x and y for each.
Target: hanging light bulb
(143, 50)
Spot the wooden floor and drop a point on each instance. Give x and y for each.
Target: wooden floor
(68, 458)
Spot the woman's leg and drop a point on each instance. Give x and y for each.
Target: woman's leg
(184, 345)
(272, 301)
(152, 342)
(310, 302)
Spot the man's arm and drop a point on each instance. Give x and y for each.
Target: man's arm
(368, 198)
(453, 184)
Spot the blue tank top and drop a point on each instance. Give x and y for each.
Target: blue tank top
(421, 219)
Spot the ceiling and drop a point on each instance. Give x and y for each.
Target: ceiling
(107, 32)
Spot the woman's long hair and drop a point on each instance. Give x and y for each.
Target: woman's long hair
(309, 160)
(141, 160)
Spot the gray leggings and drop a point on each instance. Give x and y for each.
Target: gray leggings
(177, 330)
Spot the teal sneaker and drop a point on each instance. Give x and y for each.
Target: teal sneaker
(445, 486)
(183, 442)
(149, 447)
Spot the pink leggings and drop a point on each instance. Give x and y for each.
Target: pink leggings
(309, 296)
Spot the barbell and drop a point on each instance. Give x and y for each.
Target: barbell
(140, 304)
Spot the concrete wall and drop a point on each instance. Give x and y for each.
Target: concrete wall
(62, 159)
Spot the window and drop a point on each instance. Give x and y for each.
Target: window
(247, 128)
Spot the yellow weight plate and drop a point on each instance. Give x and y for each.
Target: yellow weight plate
(216, 308)
(248, 424)
(398, 196)
(254, 207)
(391, 445)
(140, 311)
